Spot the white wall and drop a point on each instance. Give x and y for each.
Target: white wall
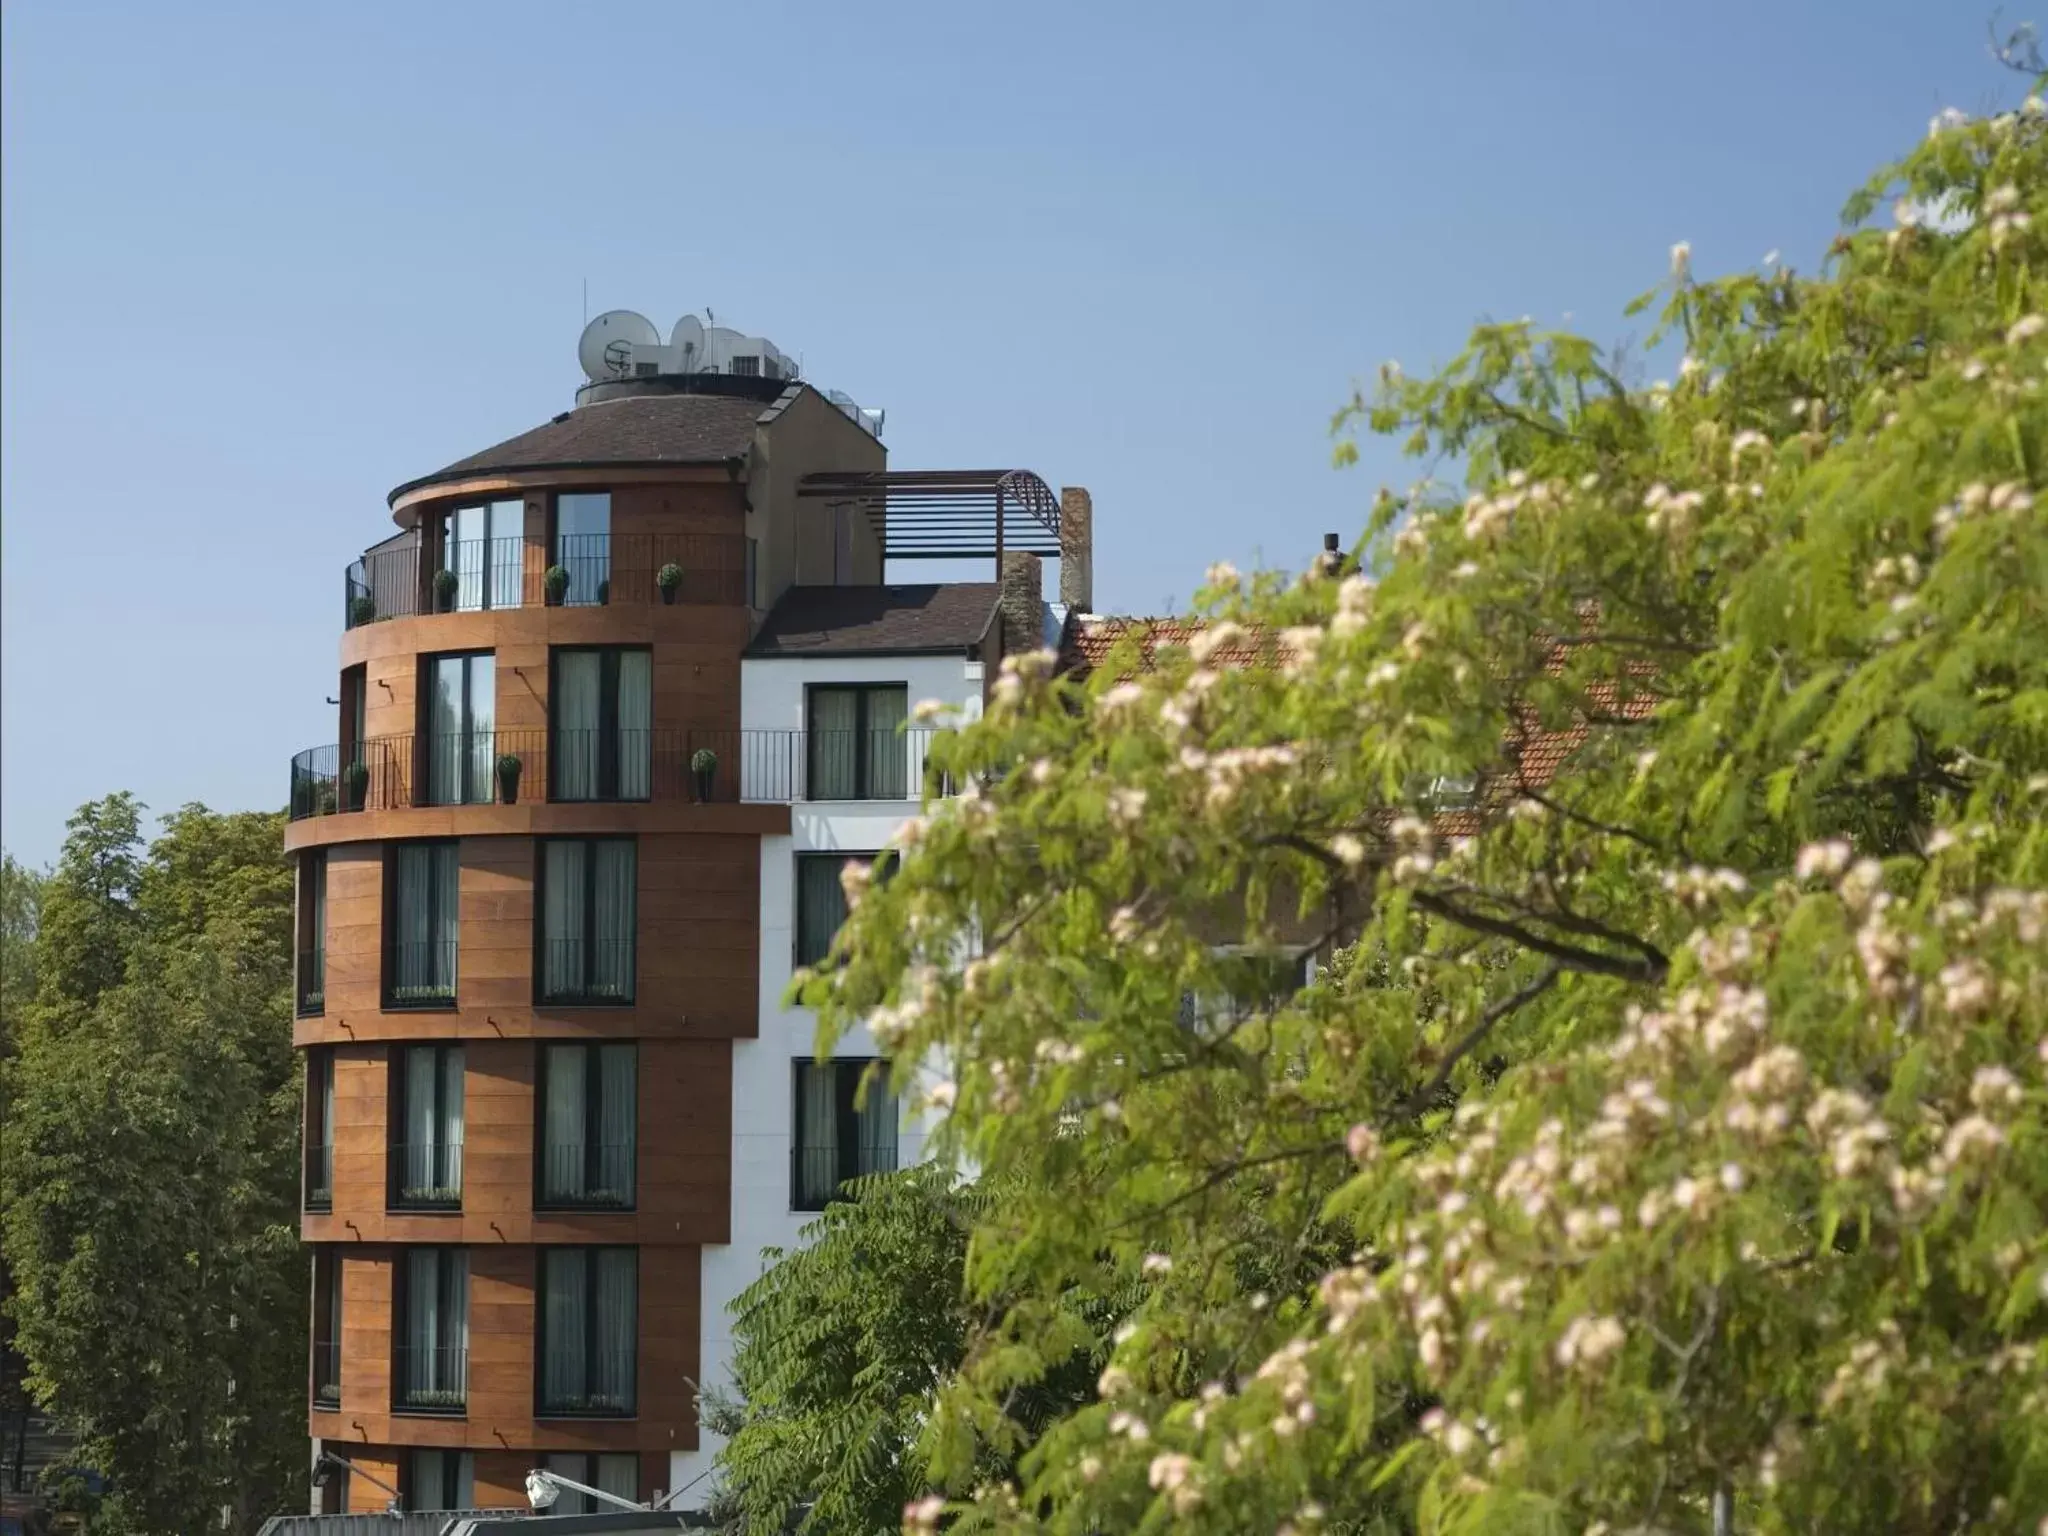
(772, 698)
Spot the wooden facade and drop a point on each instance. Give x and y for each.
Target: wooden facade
(695, 990)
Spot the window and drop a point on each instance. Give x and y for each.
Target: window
(326, 1327)
(458, 713)
(312, 920)
(582, 544)
(419, 928)
(587, 1130)
(1251, 981)
(821, 898)
(587, 900)
(841, 1132)
(857, 751)
(588, 1327)
(439, 1480)
(432, 1365)
(615, 1472)
(426, 1160)
(320, 1128)
(602, 718)
(485, 546)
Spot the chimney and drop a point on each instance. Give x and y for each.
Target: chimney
(1022, 603)
(1077, 549)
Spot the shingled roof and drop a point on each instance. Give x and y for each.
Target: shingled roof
(638, 431)
(938, 617)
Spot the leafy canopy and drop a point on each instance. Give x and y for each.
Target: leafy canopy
(1679, 1107)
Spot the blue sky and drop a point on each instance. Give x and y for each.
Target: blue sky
(263, 262)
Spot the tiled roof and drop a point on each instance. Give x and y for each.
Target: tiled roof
(1538, 753)
(642, 430)
(854, 621)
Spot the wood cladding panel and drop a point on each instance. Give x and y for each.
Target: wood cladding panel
(499, 1414)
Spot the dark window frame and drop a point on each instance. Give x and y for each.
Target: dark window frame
(847, 1073)
(399, 1116)
(401, 1305)
(310, 921)
(863, 734)
(582, 998)
(318, 1133)
(445, 521)
(590, 1252)
(450, 1458)
(880, 863)
(607, 722)
(554, 540)
(593, 1111)
(390, 938)
(424, 693)
(324, 1390)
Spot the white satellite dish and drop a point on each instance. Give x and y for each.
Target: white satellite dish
(686, 345)
(605, 348)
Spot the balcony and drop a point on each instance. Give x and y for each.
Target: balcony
(393, 581)
(387, 773)
(430, 1378)
(326, 1373)
(426, 1176)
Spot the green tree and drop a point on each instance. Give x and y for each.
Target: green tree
(1681, 1104)
(840, 1349)
(149, 1203)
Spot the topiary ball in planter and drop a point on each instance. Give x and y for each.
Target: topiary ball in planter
(362, 609)
(445, 585)
(509, 768)
(556, 581)
(669, 579)
(704, 769)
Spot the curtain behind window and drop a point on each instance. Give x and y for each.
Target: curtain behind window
(563, 926)
(636, 724)
(445, 756)
(887, 750)
(618, 1473)
(817, 1160)
(820, 904)
(618, 1114)
(565, 1324)
(578, 713)
(835, 744)
(438, 1480)
(562, 1163)
(612, 1372)
(875, 1127)
(435, 1368)
(480, 741)
(610, 973)
(422, 1112)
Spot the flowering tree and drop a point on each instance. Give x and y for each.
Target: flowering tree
(1663, 1147)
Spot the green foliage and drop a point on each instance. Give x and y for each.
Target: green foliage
(1668, 1132)
(839, 1352)
(669, 577)
(149, 1168)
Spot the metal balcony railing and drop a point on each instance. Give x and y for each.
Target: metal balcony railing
(327, 1373)
(320, 1176)
(474, 575)
(426, 1175)
(312, 982)
(587, 1175)
(582, 766)
(421, 975)
(430, 1378)
(584, 1383)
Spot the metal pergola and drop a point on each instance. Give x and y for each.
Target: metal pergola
(948, 514)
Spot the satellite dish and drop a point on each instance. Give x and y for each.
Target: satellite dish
(605, 348)
(686, 344)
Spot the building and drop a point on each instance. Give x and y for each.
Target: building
(615, 703)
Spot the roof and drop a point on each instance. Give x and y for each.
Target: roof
(644, 431)
(1091, 637)
(873, 621)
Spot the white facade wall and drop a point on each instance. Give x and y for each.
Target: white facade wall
(772, 697)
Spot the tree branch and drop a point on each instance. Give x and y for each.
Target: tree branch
(1652, 967)
(1421, 1098)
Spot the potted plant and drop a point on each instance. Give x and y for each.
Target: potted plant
(557, 583)
(509, 766)
(444, 590)
(355, 781)
(362, 609)
(704, 768)
(669, 578)
(604, 591)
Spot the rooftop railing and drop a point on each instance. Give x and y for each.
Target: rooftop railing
(474, 575)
